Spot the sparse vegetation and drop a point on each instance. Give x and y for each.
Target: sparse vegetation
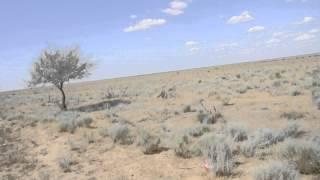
(220, 159)
(44, 175)
(261, 121)
(263, 138)
(278, 75)
(316, 77)
(70, 121)
(67, 126)
(166, 94)
(248, 148)
(84, 121)
(89, 137)
(316, 97)
(303, 154)
(198, 130)
(188, 108)
(242, 89)
(104, 132)
(65, 162)
(148, 143)
(316, 85)
(115, 93)
(291, 131)
(226, 101)
(295, 92)
(119, 133)
(293, 115)
(202, 144)
(237, 132)
(207, 116)
(181, 148)
(276, 171)
(78, 145)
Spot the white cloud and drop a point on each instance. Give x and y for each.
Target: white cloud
(133, 16)
(313, 31)
(193, 46)
(245, 16)
(283, 35)
(191, 43)
(306, 20)
(276, 34)
(273, 41)
(176, 7)
(256, 29)
(194, 49)
(304, 37)
(173, 12)
(223, 47)
(145, 24)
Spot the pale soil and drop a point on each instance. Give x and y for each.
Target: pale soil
(259, 107)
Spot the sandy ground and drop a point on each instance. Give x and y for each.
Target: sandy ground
(254, 95)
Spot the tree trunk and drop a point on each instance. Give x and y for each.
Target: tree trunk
(63, 103)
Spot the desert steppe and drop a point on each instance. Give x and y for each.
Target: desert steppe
(160, 126)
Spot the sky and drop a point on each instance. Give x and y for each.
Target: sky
(132, 37)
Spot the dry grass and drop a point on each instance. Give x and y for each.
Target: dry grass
(175, 121)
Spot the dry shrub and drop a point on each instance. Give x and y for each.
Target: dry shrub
(119, 133)
(276, 171)
(65, 162)
(263, 138)
(181, 148)
(237, 132)
(70, 121)
(220, 158)
(304, 155)
(198, 130)
(148, 143)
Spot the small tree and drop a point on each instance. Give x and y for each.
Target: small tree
(58, 66)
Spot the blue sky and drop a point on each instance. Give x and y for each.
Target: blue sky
(145, 36)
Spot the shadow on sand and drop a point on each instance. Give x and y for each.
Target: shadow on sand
(101, 105)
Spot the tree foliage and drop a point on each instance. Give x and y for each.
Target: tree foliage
(58, 66)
